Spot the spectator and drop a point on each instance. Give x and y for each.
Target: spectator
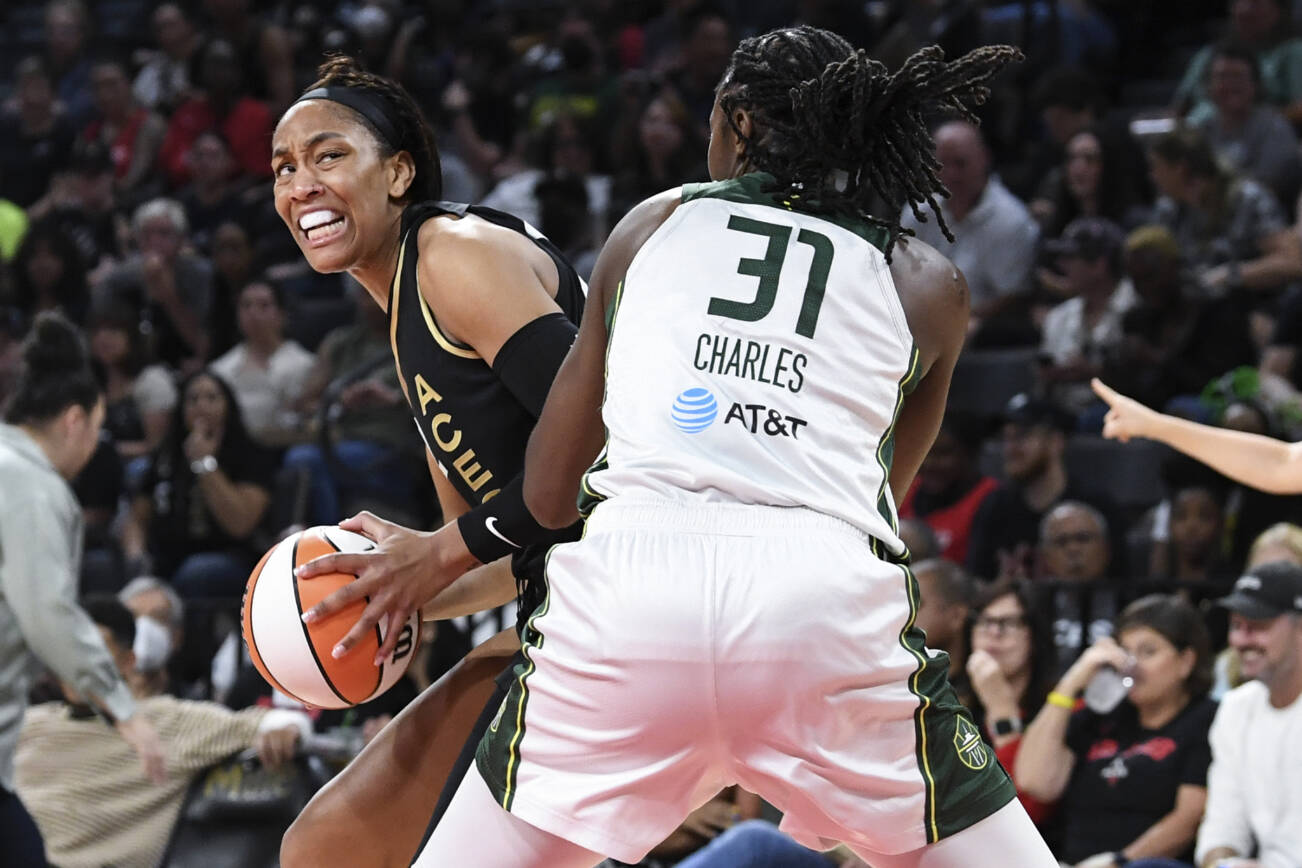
(233, 268)
(995, 236)
(945, 594)
(705, 825)
(117, 817)
(49, 274)
(260, 49)
(1082, 593)
(38, 137)
(1263, 26)
(149, 597)
(373, 428)
(164, 80)
(82, 204)
(1081, 333)
(919, 539)
(203, 496)
(139, 396)
(169, 286)
(1253, 797)
(214, 196)
(950, 488)
(1089, 183)
(750, 844)
(707, 43)
(1192, 561)
(67, 31)
(1008, 673)
(1007, 524)
(266, 372)
(571, 80)
(131, 133)
(219, 103)
(1173, 343)
(1231, 231)
(1253, 139)
(659, 152)
(51, 428)
(1132, 782)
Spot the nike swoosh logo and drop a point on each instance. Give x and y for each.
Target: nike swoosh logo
(491, 524)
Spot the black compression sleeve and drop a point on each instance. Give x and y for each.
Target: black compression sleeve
(502, 525)
(528, 361)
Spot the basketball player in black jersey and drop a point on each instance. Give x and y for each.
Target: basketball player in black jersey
(482, 310)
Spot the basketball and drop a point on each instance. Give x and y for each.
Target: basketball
(295, 657)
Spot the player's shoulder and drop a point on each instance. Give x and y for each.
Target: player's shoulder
(926, 276)
(642, 221)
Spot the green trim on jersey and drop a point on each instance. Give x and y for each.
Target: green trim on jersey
(750, 190)
(589, 498)
(886, 448)
(498, 754)
(963, 779)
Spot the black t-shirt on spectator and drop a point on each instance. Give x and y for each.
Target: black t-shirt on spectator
(28, 163)
(1081, 613)
(181, 523)
(1126, 777)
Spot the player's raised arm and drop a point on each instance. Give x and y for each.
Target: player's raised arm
(1262, 462)
(570, 433)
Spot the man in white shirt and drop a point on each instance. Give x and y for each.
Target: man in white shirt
(266, 371)
(1254, 786)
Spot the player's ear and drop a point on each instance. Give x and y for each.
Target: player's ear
(745, 124)
(401, 172)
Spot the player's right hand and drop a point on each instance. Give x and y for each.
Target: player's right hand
(1126, 417)
(143, 738)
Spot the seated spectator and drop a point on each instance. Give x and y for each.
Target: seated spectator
(1253, 798)
(139, 397)
(1089, 183)
(131, 133)
(99, 489)
(995, 236)
(656, 150)
(152, 598)
(706, 43)
(1082, 332)
(950, 488)
(1263, 26)
(1075, 570)
(266, 371)
(1253, 139)
(67, 55)
(38, 137)
(752, 844)
(168, 285)
(945, 595)
(49, 274)
(1008, 673)
(82, 204)
(214, 196)
(233, 264)
(1231, 231)
(221, 103)
(82, 783)
(261, 49)
(919, 539)
(1173, 343)
(373, 435)
(203, 496)
(164, 79)
(1007, 524)
(1191, 563)
(1131, 783)
(706, 825)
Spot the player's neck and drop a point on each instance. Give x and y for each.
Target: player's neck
(376, 271)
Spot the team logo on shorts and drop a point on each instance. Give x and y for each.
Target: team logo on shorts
(694, 410)
(497, 718)
(972, 750)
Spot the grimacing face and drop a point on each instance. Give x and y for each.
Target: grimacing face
(332, 187)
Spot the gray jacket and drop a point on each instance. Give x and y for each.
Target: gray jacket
(40, 559)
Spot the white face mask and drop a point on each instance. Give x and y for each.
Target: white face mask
(153, 645)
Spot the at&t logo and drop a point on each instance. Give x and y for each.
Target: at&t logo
(694, 410)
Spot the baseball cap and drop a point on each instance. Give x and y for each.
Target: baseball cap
(1026, 409)
(1266, 591)
(1088, 238)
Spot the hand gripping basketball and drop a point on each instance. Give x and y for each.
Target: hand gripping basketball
(406, 570)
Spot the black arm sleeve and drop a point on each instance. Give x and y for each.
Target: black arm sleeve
(501, 525)
(528, 361)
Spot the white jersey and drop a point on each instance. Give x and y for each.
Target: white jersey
(757, 355)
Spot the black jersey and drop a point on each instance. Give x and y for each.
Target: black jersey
(475, 428)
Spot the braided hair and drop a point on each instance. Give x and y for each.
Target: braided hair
(834, 127)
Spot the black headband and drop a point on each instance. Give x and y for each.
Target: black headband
(365, 103)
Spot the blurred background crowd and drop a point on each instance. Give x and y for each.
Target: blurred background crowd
(1128, 209)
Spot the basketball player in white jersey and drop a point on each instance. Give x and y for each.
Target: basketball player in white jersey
(766, 368)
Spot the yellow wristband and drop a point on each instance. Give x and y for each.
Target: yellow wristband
(1061, 700)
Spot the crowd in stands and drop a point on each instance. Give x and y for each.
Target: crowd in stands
(1129, 209)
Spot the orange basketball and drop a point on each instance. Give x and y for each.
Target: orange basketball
(295, 657)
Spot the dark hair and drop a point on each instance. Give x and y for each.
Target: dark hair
(1043, 653)
(1179, 623)
(55, 373)
(71, 293)
(1115, 196)
(953, 584)
(1068, 87)
(414, 134)
(836, 129)
(120, 317)
(277, 291)
(235, 439)
(1236, 49)
(1188, 147)
(107, 611)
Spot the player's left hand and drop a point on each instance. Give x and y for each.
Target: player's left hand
(405, 570)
